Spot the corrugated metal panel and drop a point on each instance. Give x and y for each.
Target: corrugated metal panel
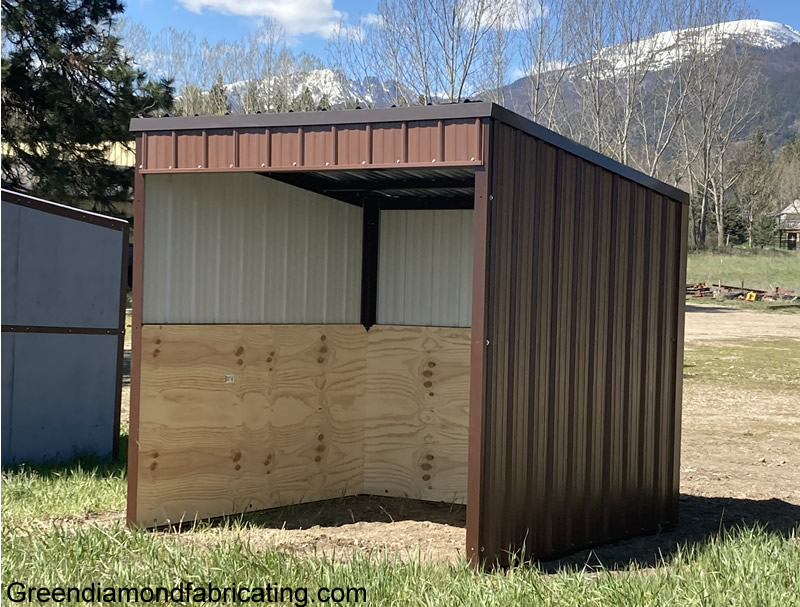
(248, 249)
(425, 268)
(419, 143)
(582, 370)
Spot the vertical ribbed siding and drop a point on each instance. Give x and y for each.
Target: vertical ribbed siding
(583, 363)
(425, 268)
(247, 249)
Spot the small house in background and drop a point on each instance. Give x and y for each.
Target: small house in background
(789, 226)
(63, 295)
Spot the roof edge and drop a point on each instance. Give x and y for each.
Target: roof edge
(62, 210)
(474, 109)
(471, 110)
(581, 151)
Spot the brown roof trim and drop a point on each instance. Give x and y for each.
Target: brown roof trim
(62, 210)
(479, 109)
(581, 151)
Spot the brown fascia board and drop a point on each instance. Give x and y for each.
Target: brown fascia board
(452, 111)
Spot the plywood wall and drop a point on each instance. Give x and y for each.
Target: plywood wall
(235, 418)
(286, 429)
(416, 420)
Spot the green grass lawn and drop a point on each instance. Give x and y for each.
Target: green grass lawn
(758, 269)
(750, 567)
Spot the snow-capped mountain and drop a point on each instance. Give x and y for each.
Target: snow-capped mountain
(340, 90)
(667, 48)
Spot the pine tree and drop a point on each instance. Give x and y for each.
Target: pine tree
(69, 92)
(279, 102)
(218, 98)
(304, 102)
(324, 102)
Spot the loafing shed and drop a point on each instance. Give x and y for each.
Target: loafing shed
(445, 303)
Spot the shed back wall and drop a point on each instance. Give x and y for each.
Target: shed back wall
(425, 268)
(243, 248)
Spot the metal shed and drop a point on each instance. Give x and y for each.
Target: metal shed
(446, 303)
(63, 320)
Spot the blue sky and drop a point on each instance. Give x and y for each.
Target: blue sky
(308, 20)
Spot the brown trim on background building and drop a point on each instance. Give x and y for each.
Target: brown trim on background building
(62, 330)
(55, 208)
(121, 346)
(136, 336)
(480, 224)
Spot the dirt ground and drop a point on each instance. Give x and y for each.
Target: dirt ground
(740, 464)
(705, 323)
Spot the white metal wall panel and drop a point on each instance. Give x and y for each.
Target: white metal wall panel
(425, 268)
(242, 248)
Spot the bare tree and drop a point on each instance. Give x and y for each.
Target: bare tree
(440, 43)
(496, 60)
(591, 29)
(754, 192)
(545, 56)
(354, 52)
(720, 106)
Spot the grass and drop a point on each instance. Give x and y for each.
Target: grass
(758, 269)
(83, 487)
(746, 567)
(766, 363)
(51, 536)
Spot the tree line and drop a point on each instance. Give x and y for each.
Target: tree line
(679, 106)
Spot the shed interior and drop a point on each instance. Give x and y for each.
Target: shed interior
(306, 335)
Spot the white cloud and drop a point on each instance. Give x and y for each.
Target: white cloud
(296, 16)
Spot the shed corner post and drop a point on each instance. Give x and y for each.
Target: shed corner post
(136, 334)
(474, 547)
(683, 238)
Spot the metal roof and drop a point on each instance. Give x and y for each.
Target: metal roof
(466, 110)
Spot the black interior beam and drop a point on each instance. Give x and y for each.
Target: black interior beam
(369, 265)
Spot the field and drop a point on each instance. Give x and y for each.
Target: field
(758, 269)
(738, 542)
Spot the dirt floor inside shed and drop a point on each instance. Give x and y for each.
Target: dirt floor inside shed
(740, 461)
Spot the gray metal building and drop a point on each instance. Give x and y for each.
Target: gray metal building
(63, 311)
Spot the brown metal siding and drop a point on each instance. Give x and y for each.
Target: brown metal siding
(426, 143)
(583, 365)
